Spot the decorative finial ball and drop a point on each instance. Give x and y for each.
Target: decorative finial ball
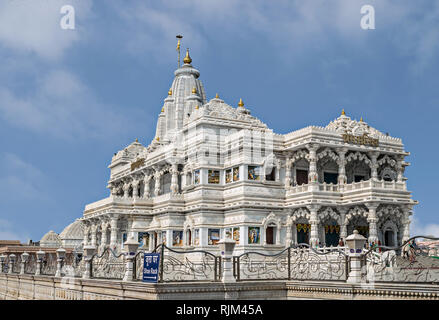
(163, 109)
(217, 96)
(240, 103)
(342, 112)
(170, 92)
(137, 140)
(187, 59)
(361, 119)
(197, 107)
(194, 90)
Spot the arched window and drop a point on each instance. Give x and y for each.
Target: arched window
(270, 233)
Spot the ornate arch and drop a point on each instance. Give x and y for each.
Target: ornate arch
(389, 211)
(357, 211)
(297, 214)
(327, 152)
(386, 159)
(329, 212)
(300, 154)
(358, 156)
(271, 218)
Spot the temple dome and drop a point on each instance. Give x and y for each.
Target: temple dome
(72, 232)
(51, 240)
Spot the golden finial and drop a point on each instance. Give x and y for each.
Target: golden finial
(170, 92)
(187, 59)
(197, 107)
(240, 103)
(158, 139)
(163, 109)
(217, 96)
(361, 119)
(137, 140)
(342, 112)
(194, 90)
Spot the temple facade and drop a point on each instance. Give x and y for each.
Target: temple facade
(215, 171)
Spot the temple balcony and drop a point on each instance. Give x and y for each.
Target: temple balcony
(353, 192)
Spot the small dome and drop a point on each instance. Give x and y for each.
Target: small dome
(50, 239)
(72, 232)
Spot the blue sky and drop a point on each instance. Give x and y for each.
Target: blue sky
(69, 99)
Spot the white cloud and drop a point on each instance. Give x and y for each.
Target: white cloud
(20, 180)
(419, 229)
(7, 232)
(29, 26)
(61, 106)
(295, 27)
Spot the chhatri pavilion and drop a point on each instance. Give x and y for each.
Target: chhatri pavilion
(215, 171)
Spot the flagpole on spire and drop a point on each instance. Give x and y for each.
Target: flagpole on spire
(179, 37)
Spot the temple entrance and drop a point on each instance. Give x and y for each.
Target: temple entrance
(332, 235)
(303, 233)
(301, 177)
(389, 236)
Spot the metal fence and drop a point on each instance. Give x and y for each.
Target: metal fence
(408, 263)
(300, 262)
(177, 266)
(108, 265)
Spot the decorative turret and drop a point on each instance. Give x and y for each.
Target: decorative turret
(241, 108)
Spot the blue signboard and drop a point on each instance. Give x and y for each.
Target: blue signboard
(151, 263)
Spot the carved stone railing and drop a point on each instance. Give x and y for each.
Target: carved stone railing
(329, 187)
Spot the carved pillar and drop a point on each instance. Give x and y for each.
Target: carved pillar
(343, 225)
(287, 173)
(406, 223)
(374, 165)
(126, 188)
(174, 179)
(314, 221)
(93, 230)
(104, 239)
(277, 170)
(313, 175)
(151, 241)
(24, 260)
(157, 177)
(400, 169)
(135, 185)
(146, 191)
(342, 179)
(86, 232)
(11, 263)
(289, 233)
(372, 219)
(113, 232)
(113, 190)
